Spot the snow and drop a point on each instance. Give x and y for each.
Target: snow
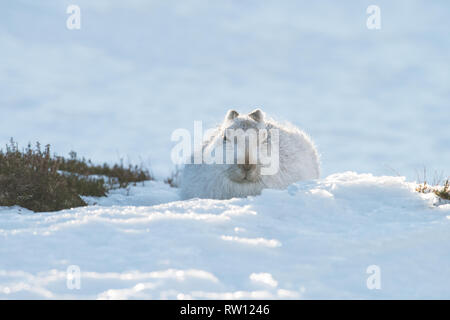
(314, 240)
(372, 101)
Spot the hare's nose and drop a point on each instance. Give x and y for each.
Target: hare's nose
(246, 167)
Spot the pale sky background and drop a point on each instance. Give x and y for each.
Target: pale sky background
(373, 100)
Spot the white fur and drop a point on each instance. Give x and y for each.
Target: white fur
(298, 160)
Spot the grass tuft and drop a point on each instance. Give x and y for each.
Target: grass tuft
(172, 180)
(442, 191)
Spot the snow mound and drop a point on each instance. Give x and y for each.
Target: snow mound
(314, 240)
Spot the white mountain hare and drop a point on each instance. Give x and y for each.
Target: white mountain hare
(251, 169)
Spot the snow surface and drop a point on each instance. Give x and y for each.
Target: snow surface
(373, 101)
(314, 240)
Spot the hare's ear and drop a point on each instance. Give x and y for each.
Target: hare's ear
(257, 115)
(231, 114)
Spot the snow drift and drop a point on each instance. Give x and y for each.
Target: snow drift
(314, 240)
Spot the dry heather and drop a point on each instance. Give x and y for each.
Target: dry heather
(34, 179)
(442, 191)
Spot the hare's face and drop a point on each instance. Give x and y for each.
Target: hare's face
(242, 138)
(244, 173)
